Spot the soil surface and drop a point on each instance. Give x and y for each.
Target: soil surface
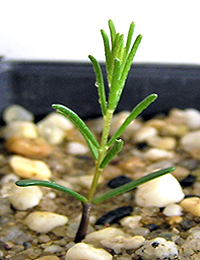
(18, 242)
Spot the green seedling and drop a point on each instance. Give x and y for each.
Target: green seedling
(118, 60)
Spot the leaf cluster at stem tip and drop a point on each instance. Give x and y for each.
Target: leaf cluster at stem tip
(118, 60)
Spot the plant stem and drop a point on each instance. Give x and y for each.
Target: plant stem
(82, 230)
(102, 152)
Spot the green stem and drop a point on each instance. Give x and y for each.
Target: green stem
(102, 153)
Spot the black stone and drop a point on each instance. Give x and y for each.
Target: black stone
(152, 227)
(155, 244)
(188, 181)
(187, 224)
(118, 181)
(141, 146)
(114, 215)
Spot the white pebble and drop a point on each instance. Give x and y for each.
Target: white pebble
(28, 168)
(159, 192)
(43, 222)
(82, 251)
(53, 128)
(192, 118)
(190, 141)
(173, 210)
(145, 134)
(96, 237)
(158, 248)
(166, 143)
(23, 198)
(155, 154)
(76, 148)
(118, 243)
(17, 113)
(130, 221)
(20, 129)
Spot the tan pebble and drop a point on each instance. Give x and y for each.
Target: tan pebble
(110, 172)
(16, 113)
(48, 257)
(174, 130)
(83, 251)
(155, 154)
(132, 164)
(85, 181)
(192, 118)
(27, 147)
(118, 243)
(195, 153)
(180, 173)
(156, 123)
(176, 116)
(166, 143)
(43, 221)
(191, 205)
(174, 220)
(23, 198)
(29, 168)
(96, 237)
(20, 129)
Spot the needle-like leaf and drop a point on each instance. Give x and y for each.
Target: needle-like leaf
(131, 185)
(53, 185)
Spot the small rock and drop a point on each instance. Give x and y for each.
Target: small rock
(43, 222)
(77, 148)
(188, 181)
(48, 257)
(180, 173)
(192, 118)
(16, 113)
(83, 251)
(191, 245)
(145, 134)
(114, 215)
(118, 181)
(29, 168)
(23, 198)
(96, 237)
(191, 205)
(158, 248)
(131, 221)
(117, 244)
(159, 192)
(27, 147)
(173, 210)
(20, 129)
(165, 143)
(155, 154)
(53, 128)
(190, 141)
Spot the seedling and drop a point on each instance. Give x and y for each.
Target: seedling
(118, 60)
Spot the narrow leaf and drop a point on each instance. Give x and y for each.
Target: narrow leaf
(131, 185)
(112, 31)
(53, 185)
(130, 36)
(100, 84)
(81, 126)
(107, 51)
(130, 58)
(115, 149)
(114, 90)
(134, 113)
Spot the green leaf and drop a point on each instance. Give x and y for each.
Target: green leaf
(114, 90)
(112, 31)
(53, 185)
(130, 36)
(115, 149)
(130, 58)
(99, 84)
(134, 113)
(107, 52)
(81, 126)
(131, 185)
